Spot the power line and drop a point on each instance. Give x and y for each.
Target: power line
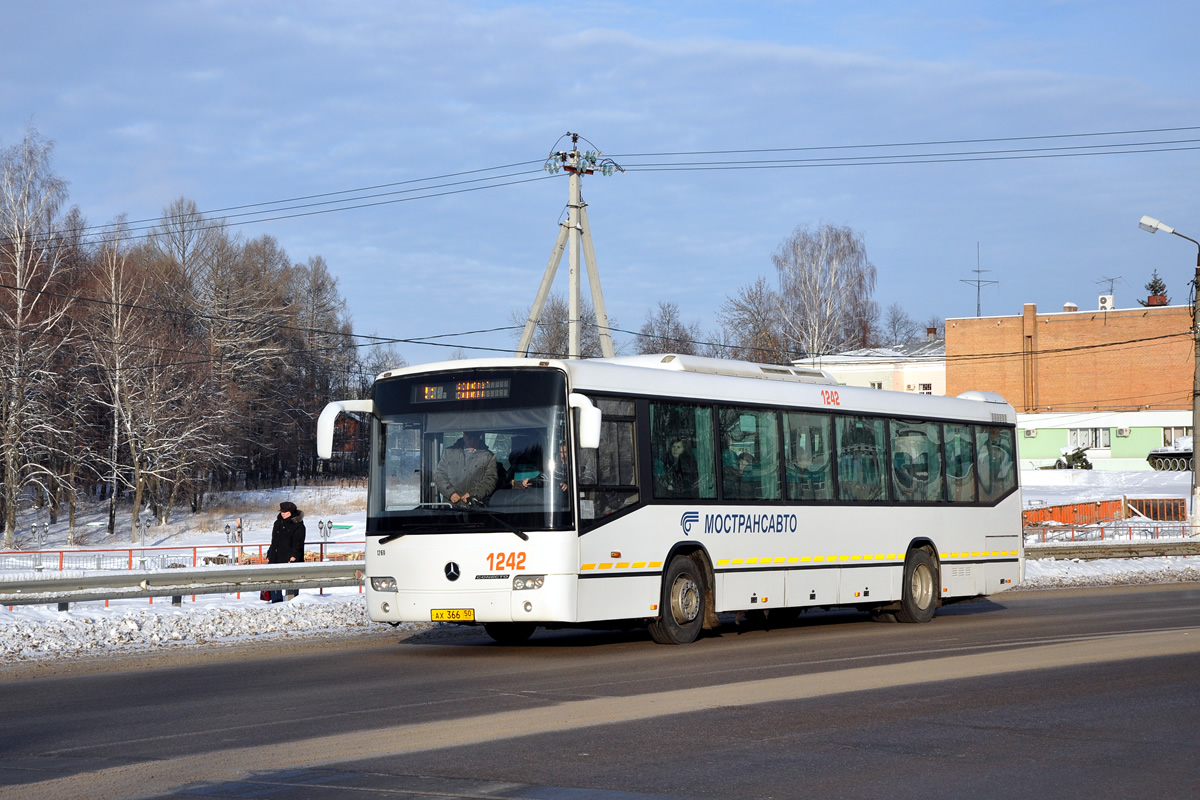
(169, 217)
(885, 159)
(151, 231)
(1043, 137)
(877, 161)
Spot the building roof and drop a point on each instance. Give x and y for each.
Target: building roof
(923, 349)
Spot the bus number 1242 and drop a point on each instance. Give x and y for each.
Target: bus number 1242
(500, 561)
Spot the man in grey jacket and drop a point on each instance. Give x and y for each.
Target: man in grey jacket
(467, 471)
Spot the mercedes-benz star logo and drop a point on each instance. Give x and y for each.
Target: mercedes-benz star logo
(452, 571)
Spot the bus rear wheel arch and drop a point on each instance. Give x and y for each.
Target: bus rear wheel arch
(921, 589)
(685, 602)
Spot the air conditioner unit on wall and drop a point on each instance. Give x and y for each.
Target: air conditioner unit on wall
(1030, 433)
(1122, 432)
(1106, 302)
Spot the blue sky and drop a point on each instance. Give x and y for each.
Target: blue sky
(234, 103)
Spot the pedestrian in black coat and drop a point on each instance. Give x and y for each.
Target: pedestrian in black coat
(287, 541)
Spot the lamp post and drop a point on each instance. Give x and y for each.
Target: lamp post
(1151, 225)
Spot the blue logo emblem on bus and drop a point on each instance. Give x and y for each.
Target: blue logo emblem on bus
(688, 519)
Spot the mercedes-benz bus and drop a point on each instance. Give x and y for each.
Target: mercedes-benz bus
(665, 490)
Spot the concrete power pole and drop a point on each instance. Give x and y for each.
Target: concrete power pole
(573, 234)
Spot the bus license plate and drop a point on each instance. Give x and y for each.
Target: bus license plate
(453, 615)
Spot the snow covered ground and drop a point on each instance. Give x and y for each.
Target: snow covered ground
(42, 633)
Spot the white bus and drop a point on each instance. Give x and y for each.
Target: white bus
(663, 490)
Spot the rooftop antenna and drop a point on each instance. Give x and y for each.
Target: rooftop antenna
(576, 231)
(979, 282)
(1110, 282)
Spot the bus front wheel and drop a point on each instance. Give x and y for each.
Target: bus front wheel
(509, 632)
(920, 596)
(681, 610)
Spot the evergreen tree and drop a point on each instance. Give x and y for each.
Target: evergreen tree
(1156, 286)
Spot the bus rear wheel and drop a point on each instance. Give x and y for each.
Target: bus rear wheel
(920, 596)
(509, 632)
(681, 610)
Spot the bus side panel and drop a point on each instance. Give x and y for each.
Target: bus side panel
(618, 597)
(869, 584)
(813, 587)
(1001, 576)
(962, 579)
(742, 591)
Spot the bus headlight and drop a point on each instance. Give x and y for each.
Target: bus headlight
(528, 582)
(383, 584)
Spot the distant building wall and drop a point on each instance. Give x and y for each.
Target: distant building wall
(1076, 360)
(898, 375)
(1129, 436)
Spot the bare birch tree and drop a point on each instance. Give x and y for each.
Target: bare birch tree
(33, 315)
(825, 286)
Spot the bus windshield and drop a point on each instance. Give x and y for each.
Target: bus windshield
(481, 450)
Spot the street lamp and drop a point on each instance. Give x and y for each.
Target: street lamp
(1151, 225)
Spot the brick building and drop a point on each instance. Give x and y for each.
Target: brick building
(1073, 361)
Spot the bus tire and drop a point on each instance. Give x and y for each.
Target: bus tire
(509, 632)
(681, 610)
(920, 596)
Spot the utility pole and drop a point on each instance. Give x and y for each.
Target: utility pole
(573, 234)
(979, 282)
(1151, 225)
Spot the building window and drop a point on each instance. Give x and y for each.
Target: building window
(876, 384)
(926, 388)
(1092, 438)
(1171, 434)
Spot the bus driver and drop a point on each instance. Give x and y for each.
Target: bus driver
(467, 471)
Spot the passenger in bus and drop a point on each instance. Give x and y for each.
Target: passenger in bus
(587, 475)
(676, 473)
(467, 473)
(733, 472)
(525, 465)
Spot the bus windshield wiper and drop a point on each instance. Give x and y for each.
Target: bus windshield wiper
(414, 529)
(496, 518)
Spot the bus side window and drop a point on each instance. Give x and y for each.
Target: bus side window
(916, 461)
(861, 452)
(806, 441)
(997, 467)
(749, 454)
(681, 443)
(608, 475)
(960, 463)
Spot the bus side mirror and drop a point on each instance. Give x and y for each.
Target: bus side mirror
(326, 420)
(589, 420)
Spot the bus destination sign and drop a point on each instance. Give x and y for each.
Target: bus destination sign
(461, 390)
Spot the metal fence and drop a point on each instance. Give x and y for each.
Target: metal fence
(1125, 531)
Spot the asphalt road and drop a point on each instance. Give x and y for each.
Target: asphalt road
(1084, 693)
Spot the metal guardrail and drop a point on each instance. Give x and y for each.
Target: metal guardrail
(1110, 549)
(176, 583)
(150, 558)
